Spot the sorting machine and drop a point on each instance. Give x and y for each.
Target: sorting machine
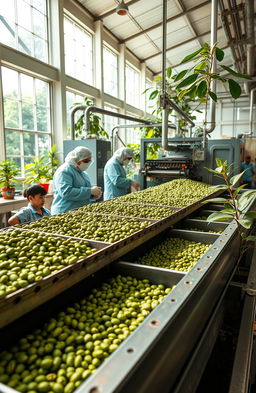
(187, 158)
(168, 351)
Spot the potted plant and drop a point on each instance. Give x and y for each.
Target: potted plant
(41, 170)
(8, 173)
(96, 130)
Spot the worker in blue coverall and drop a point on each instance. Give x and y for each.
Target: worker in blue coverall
(72, 186)
(249, 169)
(115, 182)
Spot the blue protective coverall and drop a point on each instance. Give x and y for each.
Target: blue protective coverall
(72, 189)
(115, 182)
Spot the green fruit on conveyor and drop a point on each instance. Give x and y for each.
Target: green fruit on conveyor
(89, 226)
(179, 192)
(175, 254)
(27, 257)
(129, 210)
(67, 349)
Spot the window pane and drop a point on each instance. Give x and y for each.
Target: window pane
(7, 9)
(25, 41)
(12, 141)
(17, 162)
(42, 118)
(132, 86)
(78, 52)
(39, 24)
(29, 144)
(43, 144)
(28, 160)
(24, 15)
(110, 72)
(7, 32)
(24, 27)
(40, 48)
(42, 92)
(27, 88)
(10, 83)
(40, 5)
(11, 113)
(27, 116)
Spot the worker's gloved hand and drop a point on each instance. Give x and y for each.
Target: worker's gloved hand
(135, 185)
(96, 192)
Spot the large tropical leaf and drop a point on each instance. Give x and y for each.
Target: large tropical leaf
(219, 54)
(180, 75)
(234, 88)
(213, 96)
(219, 216)
(191, 56)
(187, 81)
(236, 74)
(202, 89)
(235, 179)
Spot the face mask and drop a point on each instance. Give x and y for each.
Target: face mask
(84, 165)
(125, 162)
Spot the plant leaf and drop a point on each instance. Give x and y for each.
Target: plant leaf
(180, 75)
(219, 216)
(250, 238)
(236, 74)
(202, 89)
(217, 200)
(187, 81)
(219, 54)
(153, 95)
(220, 187)
(236, 192)
(169, 72)
(235, 179)
(246, 223)
(191, 56)
(243, 203)
(234, 88)
(213, 96)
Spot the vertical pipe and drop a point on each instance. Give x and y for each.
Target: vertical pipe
(214, 21)
(165, 107)
(252, 92)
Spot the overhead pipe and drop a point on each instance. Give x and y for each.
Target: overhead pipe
(237, 30)
(89, 109)
(252, 94)
(134, 126)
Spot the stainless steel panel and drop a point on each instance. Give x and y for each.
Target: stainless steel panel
(152, 273)
(201, 224)
(202, 237)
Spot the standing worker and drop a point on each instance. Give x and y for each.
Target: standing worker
(72, 186)
(115, 182)
(248, 167)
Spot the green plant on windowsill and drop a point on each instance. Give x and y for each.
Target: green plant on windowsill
(95, 130)
(236, 203)
(42, 169)
(8, 176)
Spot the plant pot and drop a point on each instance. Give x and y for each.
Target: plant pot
(8, 193)
(45, 185)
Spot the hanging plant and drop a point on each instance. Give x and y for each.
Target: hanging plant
(195, 83)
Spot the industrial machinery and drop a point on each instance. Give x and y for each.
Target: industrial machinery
(187, 159)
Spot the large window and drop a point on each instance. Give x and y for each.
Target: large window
(26, 117)
(71, 100)
(78, 52)
(23, 26)
(132, 135)
(132, 86)
(110, 72)
(109, 121)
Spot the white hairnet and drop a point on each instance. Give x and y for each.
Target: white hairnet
(79, 153)
(123, 153)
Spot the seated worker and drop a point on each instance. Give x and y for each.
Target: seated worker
(115, 182)
(72, 186)
(35, 210)
(248, 167)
